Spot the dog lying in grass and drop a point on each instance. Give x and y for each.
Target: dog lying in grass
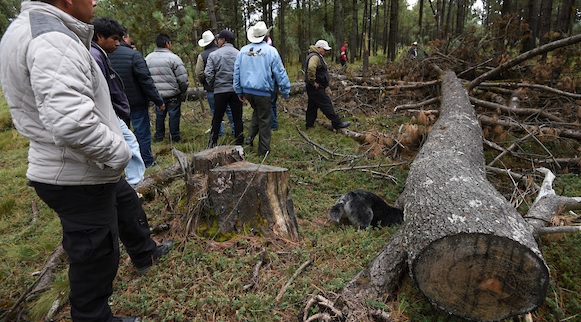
(363, 208)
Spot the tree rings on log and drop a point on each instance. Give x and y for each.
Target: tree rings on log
(481, 277)
(252, 198)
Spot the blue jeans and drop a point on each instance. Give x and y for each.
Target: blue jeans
(135, 169)
(173, 107)
(142, 130)
(212, 103)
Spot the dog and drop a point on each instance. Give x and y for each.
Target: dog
(363, 208)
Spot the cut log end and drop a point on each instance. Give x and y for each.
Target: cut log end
(481, 277)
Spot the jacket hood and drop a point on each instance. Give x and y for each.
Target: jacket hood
(313, 49)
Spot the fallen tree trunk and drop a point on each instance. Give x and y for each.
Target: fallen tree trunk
(466, 247)
(469, 251)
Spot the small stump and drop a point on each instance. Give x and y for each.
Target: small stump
(248, 197)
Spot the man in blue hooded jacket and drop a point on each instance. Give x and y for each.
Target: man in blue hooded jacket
(257, 68)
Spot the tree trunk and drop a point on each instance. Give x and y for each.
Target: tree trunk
(211, 9)
(565, 15)
(545, 21)
(282, 33)
(467, 248)
(354, 44)
(392, 42)
(249, 198)
(470, 252)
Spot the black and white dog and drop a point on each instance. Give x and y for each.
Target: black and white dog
(364, 208)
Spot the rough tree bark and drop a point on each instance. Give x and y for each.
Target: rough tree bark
(467, 249)
(248, 197)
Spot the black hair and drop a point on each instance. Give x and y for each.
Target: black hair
(161, 40)
(107, 27)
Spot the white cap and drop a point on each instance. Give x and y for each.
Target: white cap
(322, 44)
(415, 43)
(207, 38)
(256, 33)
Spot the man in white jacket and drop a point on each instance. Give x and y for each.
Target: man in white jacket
(171, 79)
(59, 100)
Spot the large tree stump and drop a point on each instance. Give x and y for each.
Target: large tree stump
(248, 197)
(208, 159)
(469, 251)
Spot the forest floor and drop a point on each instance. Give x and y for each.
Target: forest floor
(239, 280)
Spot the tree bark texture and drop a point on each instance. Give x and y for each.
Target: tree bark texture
(469, 251)
(248, 197)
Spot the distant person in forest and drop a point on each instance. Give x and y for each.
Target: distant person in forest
(343, 58)
(317, 80)
(140, 90)
(219, 73)
(208, 42)
(413, 51)
(171, 79)
(257, 69)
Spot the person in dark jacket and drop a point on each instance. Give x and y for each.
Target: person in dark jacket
(317, 80)
(140, 90)
(134, 229)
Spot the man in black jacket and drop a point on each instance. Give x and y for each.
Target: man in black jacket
(140, 90)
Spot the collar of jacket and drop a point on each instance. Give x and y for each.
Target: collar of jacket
(83, 30)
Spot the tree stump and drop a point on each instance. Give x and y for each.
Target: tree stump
(208, 159)
(248, 197)
(469, 251)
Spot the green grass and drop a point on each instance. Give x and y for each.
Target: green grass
(206, 280)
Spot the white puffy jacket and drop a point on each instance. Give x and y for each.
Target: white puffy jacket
(168, 72)
(59, 99)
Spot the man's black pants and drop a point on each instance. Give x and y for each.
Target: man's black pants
(318, 99)
(90, 217)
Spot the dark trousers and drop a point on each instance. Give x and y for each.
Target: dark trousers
(173, 107)
(90, 238)
(142, 130)
(221, 103)
(261, 121)
(134, 229)
(94, 218)
(318, 99)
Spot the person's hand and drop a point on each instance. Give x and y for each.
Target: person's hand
(242, 99)
(162, 107)
(316, 85)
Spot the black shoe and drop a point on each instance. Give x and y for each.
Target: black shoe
(342, 125)
(158, 252)
(149, 165)
(249, 141)
(308, 127)
(126, 319)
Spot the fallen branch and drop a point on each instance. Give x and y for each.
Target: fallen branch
(517, 126)
(516, 111)
(45, 277)
(430, 101)
(511, 148)
(539, 87)
(322, 301)
(322, 147)
(291, 280)
(523, 57)
(559, 230)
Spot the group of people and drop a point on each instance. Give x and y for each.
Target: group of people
(75, 85)
(256, 74)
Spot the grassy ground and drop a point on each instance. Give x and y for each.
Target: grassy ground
(205, 280)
